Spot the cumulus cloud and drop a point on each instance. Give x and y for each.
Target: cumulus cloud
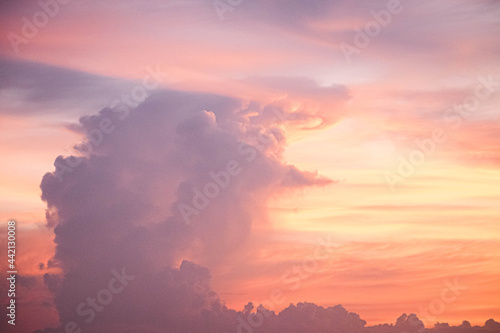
(183, 175)
(157, 195)
(316, 105)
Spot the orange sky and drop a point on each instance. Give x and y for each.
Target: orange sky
(395, 246)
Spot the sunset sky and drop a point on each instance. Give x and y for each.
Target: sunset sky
(368, 131)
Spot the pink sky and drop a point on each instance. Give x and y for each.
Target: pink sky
(396, 242)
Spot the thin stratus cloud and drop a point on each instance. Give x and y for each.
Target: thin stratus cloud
(250, 166)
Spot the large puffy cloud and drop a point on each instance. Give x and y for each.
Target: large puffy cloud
(131, 261)
(120, 208)
(183, 175)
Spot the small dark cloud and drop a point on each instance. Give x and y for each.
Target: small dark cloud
(28, 88)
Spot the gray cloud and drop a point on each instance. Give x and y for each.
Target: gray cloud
(119, 207)
(117, 211)
(28, 88)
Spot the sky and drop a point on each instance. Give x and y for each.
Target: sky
(339, 156)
